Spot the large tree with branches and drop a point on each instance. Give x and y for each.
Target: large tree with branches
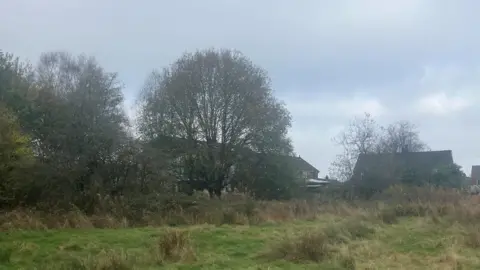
(220, 106)
(363, 135)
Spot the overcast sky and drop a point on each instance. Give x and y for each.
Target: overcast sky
(329, 60)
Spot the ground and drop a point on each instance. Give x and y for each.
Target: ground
(411, 243)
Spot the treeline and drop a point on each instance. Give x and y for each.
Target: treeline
(363, 135)
(210, 120)
(207, 122)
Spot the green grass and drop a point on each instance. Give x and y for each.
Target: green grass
(413, 243)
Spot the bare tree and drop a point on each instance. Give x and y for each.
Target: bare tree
(218, 103)
(400, 137)
(364, 135)
(359, 137)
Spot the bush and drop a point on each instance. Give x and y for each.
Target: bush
(15, 157)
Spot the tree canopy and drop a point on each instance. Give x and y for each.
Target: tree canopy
(363, 135)
(219, 104)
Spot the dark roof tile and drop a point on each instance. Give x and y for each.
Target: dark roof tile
(424, 161)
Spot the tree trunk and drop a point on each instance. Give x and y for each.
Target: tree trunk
(211, 193)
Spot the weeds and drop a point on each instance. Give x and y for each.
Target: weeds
(319, 244)
(174, 246)
(310, 246)
(397, 202)
(388, 216)
(472, 237)
(347, 261)
(6, 254)
(105, 260)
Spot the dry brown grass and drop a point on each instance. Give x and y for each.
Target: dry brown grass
(104, 260)
(436, 230)
(394, 203)
(227, 211)
(472, 236)
(174, 246)
(320, 244)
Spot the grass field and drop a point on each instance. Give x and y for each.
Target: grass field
(328, 242)
(405, 229)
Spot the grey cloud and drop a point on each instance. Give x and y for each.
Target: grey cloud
(317, 51)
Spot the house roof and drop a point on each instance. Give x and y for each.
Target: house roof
(180, 144)
(423, 161)
(475, 172)
(301, 164)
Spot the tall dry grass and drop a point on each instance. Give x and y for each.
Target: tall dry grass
(335, 242)
(388, 206)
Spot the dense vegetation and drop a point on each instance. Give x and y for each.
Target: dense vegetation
(416, 228)
(209, 121)
(71, 158)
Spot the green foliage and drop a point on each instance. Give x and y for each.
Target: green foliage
(214, 122)
(411, 177)
(370, 186)
(267, 176)
(15, 157)
(449, 176)
(65, 138)
(69, 140)
(275, 179)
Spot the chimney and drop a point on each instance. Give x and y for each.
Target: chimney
(475, 174)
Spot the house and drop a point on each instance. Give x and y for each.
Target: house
(306, 170)
(178, 147)
(475, 175)
(393, 166)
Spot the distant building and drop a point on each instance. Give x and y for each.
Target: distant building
(392, 166)
(306, 169)
(475, 175)
(178, 147)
